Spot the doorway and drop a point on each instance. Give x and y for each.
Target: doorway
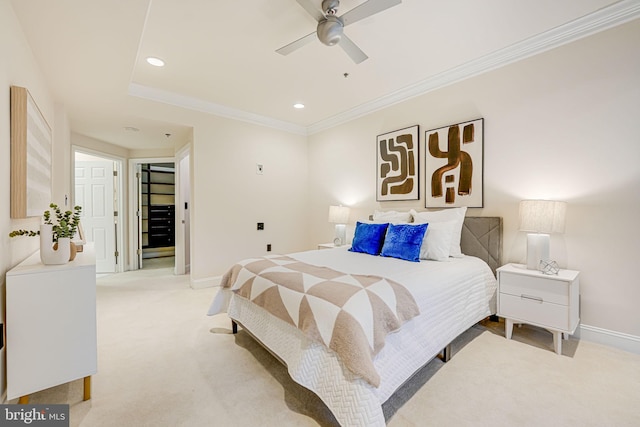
(181, 218)
(97, 189)
(158, 214)
(152, 194)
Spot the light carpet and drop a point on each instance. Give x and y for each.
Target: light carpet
(163, 362)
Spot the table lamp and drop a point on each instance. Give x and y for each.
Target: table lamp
(540, 218)
(339, 215)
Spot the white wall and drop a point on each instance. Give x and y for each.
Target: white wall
(61, 159)
(18, 67)
(561, 125)
(230, 198)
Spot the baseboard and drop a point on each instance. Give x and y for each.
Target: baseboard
(207, 282)
(626, 342)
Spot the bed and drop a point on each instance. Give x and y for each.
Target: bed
(451, 297)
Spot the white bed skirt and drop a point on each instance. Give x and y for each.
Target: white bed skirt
(456, 302)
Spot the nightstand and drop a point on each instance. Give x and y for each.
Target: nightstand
(331, 246)
(548, 301)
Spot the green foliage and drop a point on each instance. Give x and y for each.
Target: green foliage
(65, 224)
(29, 233)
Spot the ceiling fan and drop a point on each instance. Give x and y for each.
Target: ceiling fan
(330, 26)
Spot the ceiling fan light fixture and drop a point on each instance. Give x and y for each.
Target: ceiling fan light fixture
(330, 7)
(330, 26)
(330, 30)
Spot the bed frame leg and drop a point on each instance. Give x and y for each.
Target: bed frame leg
(445, 356)
(234, 327)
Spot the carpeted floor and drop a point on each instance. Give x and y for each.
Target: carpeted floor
(163, 362)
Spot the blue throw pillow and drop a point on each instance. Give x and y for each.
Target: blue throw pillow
(368, 238)
(404, 241)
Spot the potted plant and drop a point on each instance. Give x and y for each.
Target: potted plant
(66, 223)
(58, 228)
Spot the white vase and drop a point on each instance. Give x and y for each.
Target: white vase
(48, 255)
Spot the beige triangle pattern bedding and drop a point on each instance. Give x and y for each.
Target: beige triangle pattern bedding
(350, 314)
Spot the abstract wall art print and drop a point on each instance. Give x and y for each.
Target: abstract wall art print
(454, 165)
(397, 165)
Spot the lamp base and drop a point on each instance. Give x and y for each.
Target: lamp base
(537, 249)
(341, 234)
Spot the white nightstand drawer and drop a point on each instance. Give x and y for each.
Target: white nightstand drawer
(549, 290)
(534, 311)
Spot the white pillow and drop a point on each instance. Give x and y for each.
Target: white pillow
(436, 244)
(392, 216)
(451, 214)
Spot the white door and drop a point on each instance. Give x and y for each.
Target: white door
(94, 192)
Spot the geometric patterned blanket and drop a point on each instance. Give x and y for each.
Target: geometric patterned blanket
(350, 314)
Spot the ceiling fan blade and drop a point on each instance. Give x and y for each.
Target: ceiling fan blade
(286, 50)
(352, 50)
(366, 9)
(311, 9)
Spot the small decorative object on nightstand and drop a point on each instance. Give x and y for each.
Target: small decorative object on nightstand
(548, 266)
(548, 301)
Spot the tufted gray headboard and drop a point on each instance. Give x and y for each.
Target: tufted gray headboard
(482, 238)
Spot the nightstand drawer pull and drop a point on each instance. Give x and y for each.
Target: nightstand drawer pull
(536, 299)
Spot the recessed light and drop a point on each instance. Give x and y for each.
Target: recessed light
(298, 105)
(156, 62)
(131, 129)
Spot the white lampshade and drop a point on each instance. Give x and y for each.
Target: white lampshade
(338, 214)
(542, 216)
(539, 218)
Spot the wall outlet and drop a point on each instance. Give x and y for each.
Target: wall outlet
(261, 226)
(259, 169)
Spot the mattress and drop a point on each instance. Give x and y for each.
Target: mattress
(452, 296)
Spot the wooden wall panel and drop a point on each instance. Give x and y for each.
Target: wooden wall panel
(30, 156)
(18, 152)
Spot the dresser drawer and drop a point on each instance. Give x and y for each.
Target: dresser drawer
(538, 287)
(534, 311)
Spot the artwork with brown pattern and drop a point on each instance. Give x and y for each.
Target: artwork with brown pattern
(397, 171)
(454, 163)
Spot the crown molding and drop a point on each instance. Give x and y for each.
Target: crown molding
(600, 20)
(196, 104)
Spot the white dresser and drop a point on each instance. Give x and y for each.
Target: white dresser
(548, 301)
(51, 324)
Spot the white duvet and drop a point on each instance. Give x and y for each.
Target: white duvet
(452, 296)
